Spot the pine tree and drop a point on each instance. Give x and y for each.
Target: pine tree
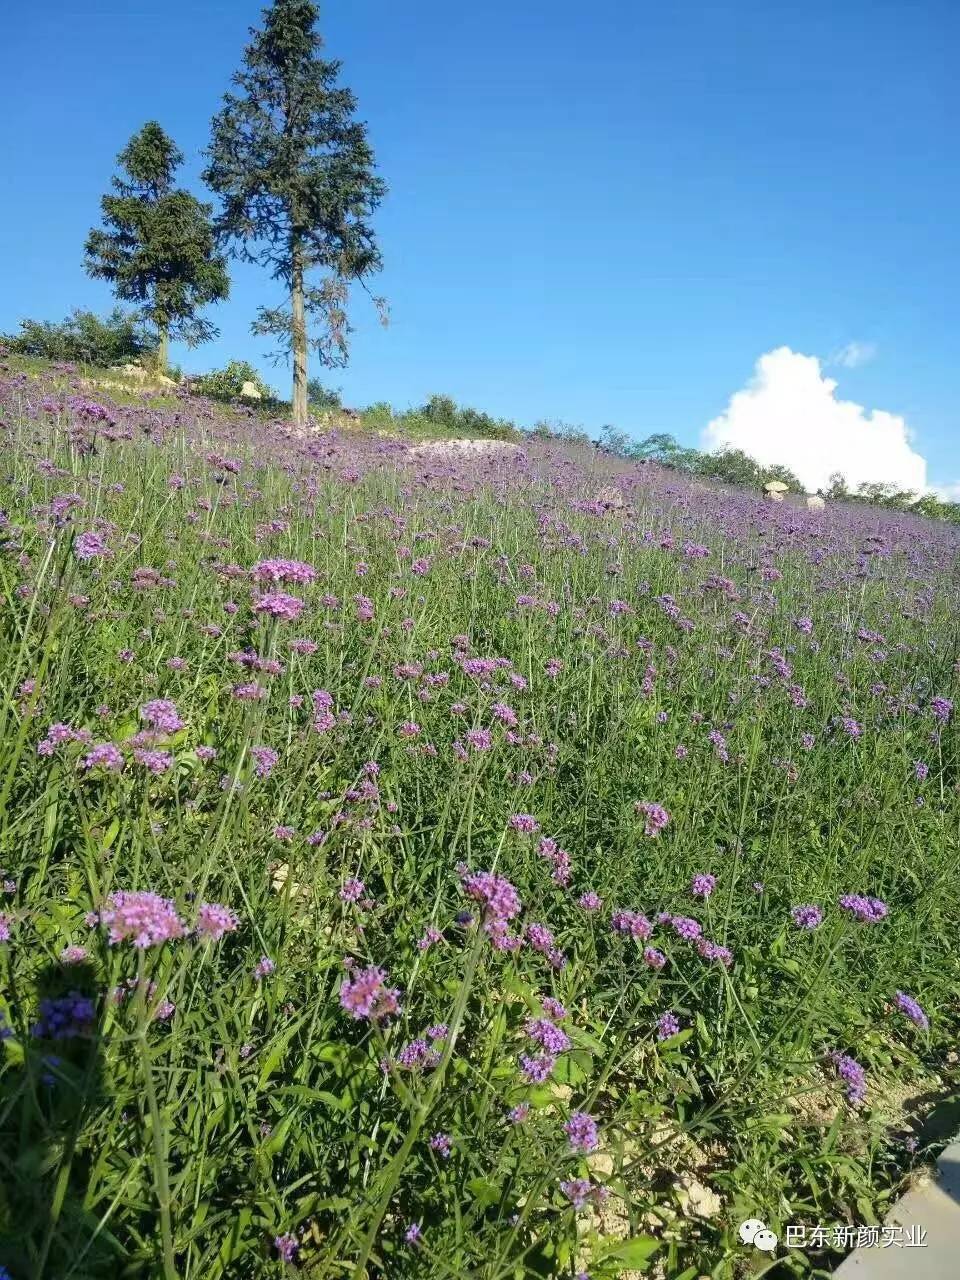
(296, 174)
(157, 247)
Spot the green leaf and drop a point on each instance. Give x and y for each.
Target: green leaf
(484, 1192)
(674, 1042)
(573, 1067)
(634, 1253)
(865, 1207)
(276, 1055)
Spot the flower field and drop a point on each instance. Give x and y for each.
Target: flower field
(416, 867)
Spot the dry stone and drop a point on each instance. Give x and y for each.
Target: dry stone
(453, 450)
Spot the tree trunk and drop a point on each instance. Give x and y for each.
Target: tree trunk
(163, 351)
(299, 336)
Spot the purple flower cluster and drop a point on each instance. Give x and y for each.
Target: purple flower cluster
(806, 916)
(501, 904)
(581, 1190)
(942, 709)
(546, 1035)
(633, 923)
(287, 1246)
(104, 756)
(853, 1075)
(868, 910)
(702, 885)
(364, 994)
(161, 714)
(442, 1144)
(581, 1131)
(558, 858)
(277, 604)
(148, 920)
(90, 546)
(525, 823)
(287, 571)
(668, 1025)
(913, 1010)
(418, 1055)
(655, 815)
(143, 918)
(264, 760)
(58, 734)
(214, 920)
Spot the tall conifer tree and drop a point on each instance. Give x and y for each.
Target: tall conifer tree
(157, 246)
(296, 174)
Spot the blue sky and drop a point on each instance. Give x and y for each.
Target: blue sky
(602, 212)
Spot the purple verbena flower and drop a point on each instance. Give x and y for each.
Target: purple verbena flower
(667, 1025)
(581, 1130)
(441, 1143)
(286, 1246)
(868, 910)
(364, 994)
(161, 714)
(702, 885)
(525, 823)
(351, 890)
(214, 920)
(140, 917)
(806, 916)
(854, 1076)
(908, 1005)
(277, 604)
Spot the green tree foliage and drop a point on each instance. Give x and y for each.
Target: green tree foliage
(295, 172)
(322, 397)
(730, 466)
(779, 472)
(84, 338)
(157, 246)
(879, 494)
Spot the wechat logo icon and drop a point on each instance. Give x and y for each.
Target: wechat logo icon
(755, 1232)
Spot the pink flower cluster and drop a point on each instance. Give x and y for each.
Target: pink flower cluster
(280, 570)
(148, 920)
(143, 918)
(277, 604)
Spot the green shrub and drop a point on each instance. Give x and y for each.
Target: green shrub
(84, 338)
(227, 383)
(443, 413)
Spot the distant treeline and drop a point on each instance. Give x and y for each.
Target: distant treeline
(85, 338)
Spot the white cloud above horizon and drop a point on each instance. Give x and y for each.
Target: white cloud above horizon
(788, 412)
(854, 354)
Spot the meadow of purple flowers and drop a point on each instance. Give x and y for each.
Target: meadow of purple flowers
(418, 868)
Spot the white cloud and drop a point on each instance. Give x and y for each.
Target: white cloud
(948, 492)
(854, 354)
(788, 413)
